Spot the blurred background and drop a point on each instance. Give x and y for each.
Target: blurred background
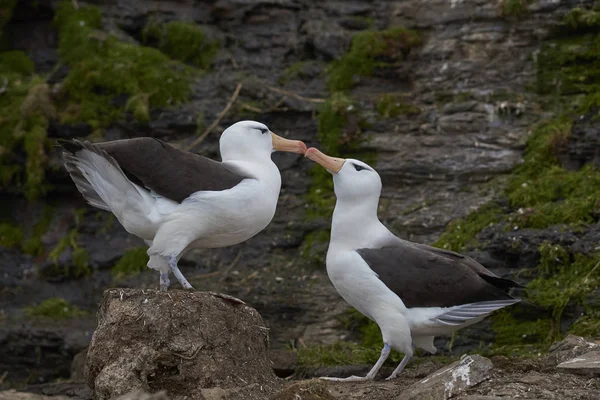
(480, 116)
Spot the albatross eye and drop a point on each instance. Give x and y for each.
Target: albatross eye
(358, 167)
(263, 130)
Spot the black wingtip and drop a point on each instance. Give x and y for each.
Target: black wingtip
(501, 283)
(71, 146)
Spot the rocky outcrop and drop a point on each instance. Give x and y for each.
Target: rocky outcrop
(176, 341)
(469, 117)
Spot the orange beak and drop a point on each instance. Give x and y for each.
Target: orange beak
(332, 164)
(293, 146)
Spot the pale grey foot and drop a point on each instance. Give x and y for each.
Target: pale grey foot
(400, 367)
(385, 352)
(164, 281)
(173, 265)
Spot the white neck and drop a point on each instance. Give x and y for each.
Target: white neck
(263, 170)
(355, 225)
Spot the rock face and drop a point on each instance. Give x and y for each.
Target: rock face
(471, 115)
(175, 341)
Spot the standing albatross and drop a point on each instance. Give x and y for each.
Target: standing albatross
(412, 291)
(176, 200)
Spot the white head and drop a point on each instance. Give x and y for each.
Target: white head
(253, 140)
(353, 180)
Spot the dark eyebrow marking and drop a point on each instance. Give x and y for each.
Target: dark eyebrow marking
(358, 167)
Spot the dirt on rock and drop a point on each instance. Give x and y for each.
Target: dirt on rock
(181, 342)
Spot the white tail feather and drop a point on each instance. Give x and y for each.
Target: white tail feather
(104, 185)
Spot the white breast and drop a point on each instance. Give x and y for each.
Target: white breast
(231, 216)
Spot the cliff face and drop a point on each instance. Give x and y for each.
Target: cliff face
(442, 108)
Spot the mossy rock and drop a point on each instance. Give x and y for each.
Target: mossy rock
(132, 263)
(390, 106)
(25, 109)
(183, 41)
(568, 67)
(514, 8)
(370, 50)
(54, 308)
(104, 68)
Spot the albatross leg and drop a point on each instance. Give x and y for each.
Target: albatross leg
(173, 265)
(400, 367)
(385, 352)
(164, 281)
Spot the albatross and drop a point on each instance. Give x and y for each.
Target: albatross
(176, 200)
(413, 292)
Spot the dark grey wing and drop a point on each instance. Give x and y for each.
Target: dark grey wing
(425, 279)
(471, 263)
(168, 171)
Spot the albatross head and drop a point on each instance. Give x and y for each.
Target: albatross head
(352, 179)
(251, 139)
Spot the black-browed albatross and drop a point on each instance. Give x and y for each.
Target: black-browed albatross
(414, 292)
(177, 200)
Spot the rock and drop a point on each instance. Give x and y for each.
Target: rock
(451, 380)
(141, 395)
(36, 352)
(14, 395)
(478, 397)
(583, 145)
(181, 342)
(78, 390)
(569, 348)
(284, 362)
(78, 365)
(585, 364)
(313, 389)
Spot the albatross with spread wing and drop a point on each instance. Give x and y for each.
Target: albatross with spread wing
(176, 200)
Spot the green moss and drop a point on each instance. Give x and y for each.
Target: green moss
(182, 41)
(331, 121)
(587, 325)
(580, 20)
(518, 337)
(514, 8)
(102, 68)
(33, 245)
(6, 10)
(139, 105)
(11, 236)
(548, 194)
(25, 108)
(370, 50)
(390, 106)
(563, 279)
(339, 353)
(300, 69)
(16, 62)
(79, 266)
(461, 232)
(568, 67)
(132, 263)
(55, 308)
